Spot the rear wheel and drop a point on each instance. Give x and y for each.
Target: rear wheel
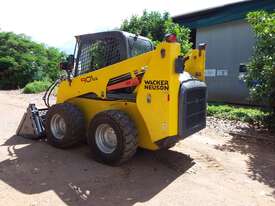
(112, 137)
(64, 125)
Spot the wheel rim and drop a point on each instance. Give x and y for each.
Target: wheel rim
(58, 126)
(106, 139)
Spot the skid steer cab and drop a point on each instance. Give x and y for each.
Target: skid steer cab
(121, 93)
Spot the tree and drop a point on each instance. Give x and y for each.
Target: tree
(23, 61)
(155, 25)
(260, 77)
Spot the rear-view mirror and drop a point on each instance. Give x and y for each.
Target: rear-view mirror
(67, 65)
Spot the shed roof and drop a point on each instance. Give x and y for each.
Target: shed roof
(222, 14)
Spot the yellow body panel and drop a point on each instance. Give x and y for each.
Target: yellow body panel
(155, 111)
(196, 64)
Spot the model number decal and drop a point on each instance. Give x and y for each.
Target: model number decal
(88, 79)
(156, 85)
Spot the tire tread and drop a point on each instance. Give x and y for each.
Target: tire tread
(76, 122)
(129, 133)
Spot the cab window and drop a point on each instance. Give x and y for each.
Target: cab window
(139, 46)
(97, 54)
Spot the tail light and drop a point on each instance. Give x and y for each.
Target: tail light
(171, 38)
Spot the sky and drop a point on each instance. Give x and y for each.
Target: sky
(56, 22)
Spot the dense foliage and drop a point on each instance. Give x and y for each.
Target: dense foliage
(260, 76)
(23, 61)
(36, 87)
(155, 25)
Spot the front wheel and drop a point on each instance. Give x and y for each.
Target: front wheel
(64, 125)
(112, 137)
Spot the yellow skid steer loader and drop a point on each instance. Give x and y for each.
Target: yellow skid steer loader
(121, 93)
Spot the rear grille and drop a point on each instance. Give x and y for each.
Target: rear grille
(192, 107)
(195, 107)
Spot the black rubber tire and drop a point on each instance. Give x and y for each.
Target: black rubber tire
(75, 125)
(126, 133)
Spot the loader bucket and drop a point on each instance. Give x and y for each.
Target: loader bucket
(32, 123)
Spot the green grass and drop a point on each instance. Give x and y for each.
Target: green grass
(36, 87)
(240, 113)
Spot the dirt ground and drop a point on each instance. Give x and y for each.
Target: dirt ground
(209, 168)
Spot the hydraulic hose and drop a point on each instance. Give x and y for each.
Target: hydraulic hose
(47, 94)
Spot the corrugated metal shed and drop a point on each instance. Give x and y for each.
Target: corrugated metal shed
(230, 45)
(222, 14)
